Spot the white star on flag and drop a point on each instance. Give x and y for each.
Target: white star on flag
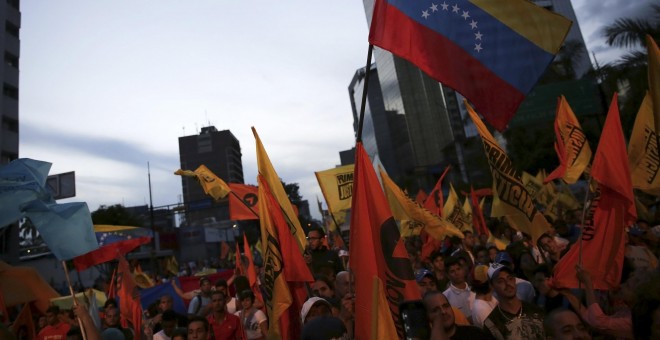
(445, 6)
(478, 48)
(425, 14)
(465, 15)
(478, 35)
(455, 8)
(473, 24)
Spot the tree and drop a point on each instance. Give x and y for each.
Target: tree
(628, 75)
(115, 215)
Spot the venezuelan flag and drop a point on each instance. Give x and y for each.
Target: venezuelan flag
(492, 52)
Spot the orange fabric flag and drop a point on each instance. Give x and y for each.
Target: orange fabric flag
(435, 200)
(429, 244)
(478, 220)
(571, 145)
(24, 284)
(239, 262)
(129, 296)
(611, 211)
(224, 250)
(380, 254)
(283, 270)
(243, 202)
(24, 319)
(251, 271)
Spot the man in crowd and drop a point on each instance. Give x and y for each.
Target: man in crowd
(512, 318)
(224, 326)
(319, 256)
(111, 320)
(198, 328)
(562, 324)
(458, 294)
(425, 281)
(439, 309)
(200, 304)
(524, 288)
(56, 329)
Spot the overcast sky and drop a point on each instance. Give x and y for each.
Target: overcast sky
(107, 86)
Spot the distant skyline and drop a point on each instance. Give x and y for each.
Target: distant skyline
(106, 87)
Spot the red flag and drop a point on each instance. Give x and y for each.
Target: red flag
(111, 293)
(3, 308)
(224, 250)
(129, 297)
(24, 319)
(283, 256)
(612, 209)
(429, 244)
(478, 220)
(251, 271)
(435, 201)
(380, 254)
(243, 202)
(421, 197)
(108, 252)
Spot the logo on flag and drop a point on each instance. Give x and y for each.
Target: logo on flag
(345, 185)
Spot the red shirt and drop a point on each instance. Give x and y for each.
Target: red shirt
(57, 332)
(227, 329)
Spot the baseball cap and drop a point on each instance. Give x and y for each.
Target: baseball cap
(480, 274)
(422, 273)
(503, 257)
(308, 305)
(495, 269)
(636, 231)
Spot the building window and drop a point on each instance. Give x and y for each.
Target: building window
(11, 29)
(10, 91)
(9, 124)
(14, 3)
(11, 60)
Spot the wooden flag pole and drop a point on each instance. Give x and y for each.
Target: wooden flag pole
(73, 296)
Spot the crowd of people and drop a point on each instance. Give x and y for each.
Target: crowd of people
(470, 289)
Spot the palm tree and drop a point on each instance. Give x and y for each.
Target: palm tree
(628, 75)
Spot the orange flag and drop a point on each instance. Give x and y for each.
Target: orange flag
(243, 202)
(421, 197)
(611, 211)
(435, 200)
(571, 145)
(285, 270)
(24, 318)
(380, 258)
(224, 250)
(251, 271)
(24, 284)
(129, 296)
(239, 262)
(478, 220)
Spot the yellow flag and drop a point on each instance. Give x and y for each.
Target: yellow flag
(212, 184)
(516, 202)
(571, 145)
(412, 215)
(172, 266)
(453, 211)
(643, 155)
(654, 78)
(277, 295)
(275, 184)
(337, 187)
(382, 324)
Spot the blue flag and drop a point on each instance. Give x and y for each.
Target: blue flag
(153, 294)
(21, 181)
(66, 228)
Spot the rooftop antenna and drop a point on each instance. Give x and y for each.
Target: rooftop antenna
(208, 121)
(184, 130)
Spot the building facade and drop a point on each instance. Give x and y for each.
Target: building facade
(219, 151)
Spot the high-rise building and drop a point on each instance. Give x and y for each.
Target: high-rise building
(11, 15)
(219, 151)
(10, 40)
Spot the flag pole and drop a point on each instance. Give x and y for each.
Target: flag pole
(584, 214)
(73, 296)
(364, 93)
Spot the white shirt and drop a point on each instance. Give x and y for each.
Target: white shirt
(161, 335)
(461, 299)
(252, 322)
(481, 309)
(231, 306)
